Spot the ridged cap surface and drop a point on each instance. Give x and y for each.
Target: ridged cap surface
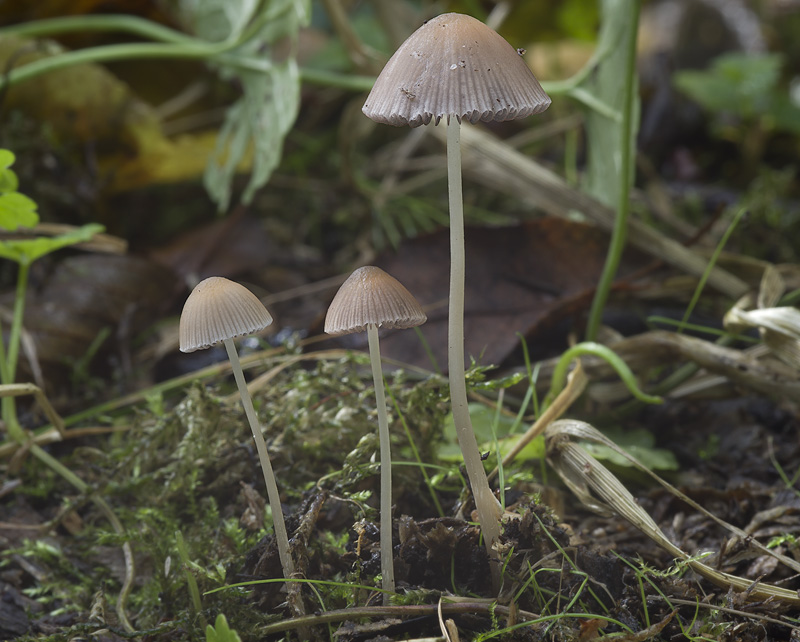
(371, 296)
(219, 309)
(454, 65)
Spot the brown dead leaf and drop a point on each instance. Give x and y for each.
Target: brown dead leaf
(590, 629)
(225, 247)
(88, 295)
(525, 279)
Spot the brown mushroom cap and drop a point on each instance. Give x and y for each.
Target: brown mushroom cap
(454, 65)
(219, 309)
(370, 296)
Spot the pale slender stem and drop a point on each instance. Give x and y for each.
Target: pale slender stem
(387, 556)
(281, 536)
(489, 509)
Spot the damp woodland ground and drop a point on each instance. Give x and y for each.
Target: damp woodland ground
(183, 478)
(166, 528)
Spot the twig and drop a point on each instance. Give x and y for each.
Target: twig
(414, 610)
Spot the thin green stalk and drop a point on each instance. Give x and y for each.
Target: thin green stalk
(194, 591)
(620, 231)
(108, 53)
(8, 357)
(133, 25)
(332, 79)
(559, 376)
(15, 337)
(7, 404)
(710, 266)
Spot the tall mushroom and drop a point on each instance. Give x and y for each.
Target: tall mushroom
(218, 310)
(454, 65)
(370, 299)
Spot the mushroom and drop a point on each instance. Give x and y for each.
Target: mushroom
(218, 310)
(454, 65)
(370, 299)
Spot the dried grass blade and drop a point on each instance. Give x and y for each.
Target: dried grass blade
(600, 490)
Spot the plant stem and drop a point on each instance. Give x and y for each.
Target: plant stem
(133, 25)
(387, 554)
(108, 53)
(281, 536)
(8, 357)
(489, 510)
(590, 348)
(16, 323)
(620, 230)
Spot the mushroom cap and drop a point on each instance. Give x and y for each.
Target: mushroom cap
(219, 309)
(454, 65)
(370, 296)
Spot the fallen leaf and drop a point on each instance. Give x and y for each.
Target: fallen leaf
(521, 279)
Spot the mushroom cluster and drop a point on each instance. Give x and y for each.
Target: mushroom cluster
(452, 67)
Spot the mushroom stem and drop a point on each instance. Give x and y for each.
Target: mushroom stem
(489, 509)
(281, 536)
(387, 556)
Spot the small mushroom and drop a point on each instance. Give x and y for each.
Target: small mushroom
(370, 299)
(218, 310)
(456, 66)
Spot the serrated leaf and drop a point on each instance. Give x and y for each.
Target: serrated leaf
(17, 210)
(259, 121)
(26, 251)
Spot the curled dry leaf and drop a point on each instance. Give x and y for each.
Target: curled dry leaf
(599, 490)
(779, 327)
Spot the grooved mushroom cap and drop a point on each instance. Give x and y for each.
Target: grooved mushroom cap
(219, 309)
(370, 296)
(454, 65)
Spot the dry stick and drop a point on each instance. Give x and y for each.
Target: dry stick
(281, 536)
(576, 384)
(489, 509)
(485, 607)
(387, 555)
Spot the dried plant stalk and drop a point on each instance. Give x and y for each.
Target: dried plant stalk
(601, 491)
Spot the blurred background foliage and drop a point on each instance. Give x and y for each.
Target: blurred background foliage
(244, 151)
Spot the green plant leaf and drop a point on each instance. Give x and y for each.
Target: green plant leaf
(221, 632)
(8, 179)
(217, 21)
(26, 251)
(258, 122)
(17, 210)
(256, 125)
(741, 84)
(607, 84)
(638, 443)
